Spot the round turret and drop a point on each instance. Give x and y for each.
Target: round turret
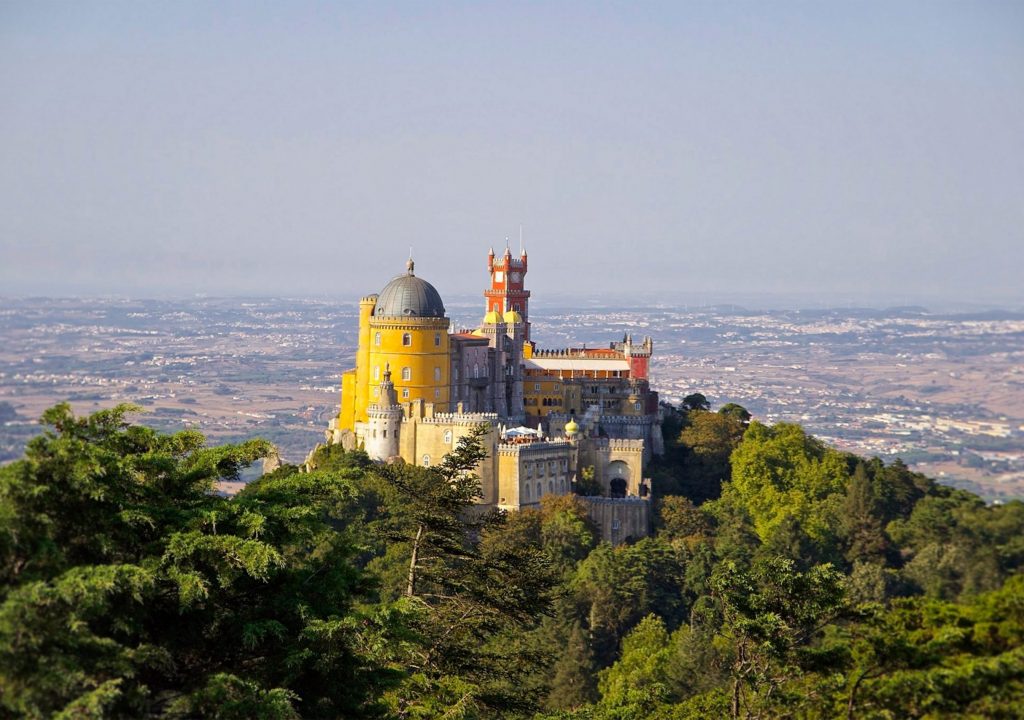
(571, 428)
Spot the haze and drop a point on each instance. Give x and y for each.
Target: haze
(839, 150)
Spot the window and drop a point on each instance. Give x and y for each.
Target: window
(405, 393)
(376, 392)
(426, 461)
(407, 339)
(636, 406)
(376, 372)
(551, 486)
(476, 370)
(455, 376)
(536, 387)
(385, 433)
(437, 393)
(437, 339)
(406, 373)
(437, 374)
(448, 437)
(526, 492)
(539, 491)
(376, 339)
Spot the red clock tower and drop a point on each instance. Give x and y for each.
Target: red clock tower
(508, 283)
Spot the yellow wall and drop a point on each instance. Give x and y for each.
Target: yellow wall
(346, 417)
(427, 358)
(425, 438)
(362, 389)
(551, 389)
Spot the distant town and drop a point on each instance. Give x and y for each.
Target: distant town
(944, 392)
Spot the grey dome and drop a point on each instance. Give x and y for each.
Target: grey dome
(409, 296)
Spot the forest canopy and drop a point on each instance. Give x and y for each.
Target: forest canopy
(783, 578)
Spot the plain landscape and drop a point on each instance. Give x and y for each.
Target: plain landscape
(942, 391)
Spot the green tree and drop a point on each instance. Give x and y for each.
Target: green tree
(694, 401)
(709, 440)
(129, 588)
(770, 614)
(780, 472)
(639, 678)
(573, 682)
(586, 484)
(473, 599)
(861, 522)
(737, 412)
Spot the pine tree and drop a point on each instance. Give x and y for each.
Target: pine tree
(574, 682)
(862, 526)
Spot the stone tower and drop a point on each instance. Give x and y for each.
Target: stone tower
(384, 421)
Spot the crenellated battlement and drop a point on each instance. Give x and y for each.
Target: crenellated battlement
(532, 447)
(459, 419)
(627, 419)
(599, 500)
(618, 444)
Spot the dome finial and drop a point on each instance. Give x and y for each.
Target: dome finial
(409, 264)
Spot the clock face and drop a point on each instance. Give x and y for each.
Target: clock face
(498, 276)
(514, 277)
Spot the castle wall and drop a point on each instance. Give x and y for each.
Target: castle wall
(529, 471)
(620, 519)
(426, 440)
(614, 458)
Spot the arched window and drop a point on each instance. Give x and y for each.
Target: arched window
(376, 339)
(539, 491)
(437, 339)
(376, 372)
(426, 461)
(406, 373)
(551, 486)
(437, 393)
(405, 393)
(526, 492)
(448, 437)
(437, 374)
(476, 370)
(407, 339)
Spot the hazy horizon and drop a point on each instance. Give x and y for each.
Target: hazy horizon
(857, 154)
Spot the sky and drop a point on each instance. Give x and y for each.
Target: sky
(868, 152)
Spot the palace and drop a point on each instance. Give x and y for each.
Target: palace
(417, 387)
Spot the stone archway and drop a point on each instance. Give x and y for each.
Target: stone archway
(618, 478)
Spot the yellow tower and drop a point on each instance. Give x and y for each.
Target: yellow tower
(403, 327)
